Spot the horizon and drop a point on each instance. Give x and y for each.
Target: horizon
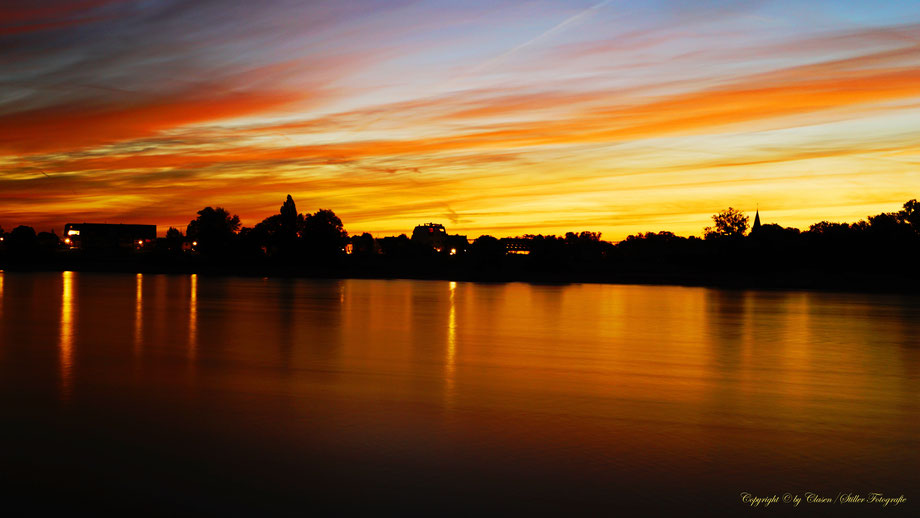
(491, 118)
(161, 229)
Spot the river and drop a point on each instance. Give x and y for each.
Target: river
(156, 393)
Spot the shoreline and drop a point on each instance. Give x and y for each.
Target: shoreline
(801, 280)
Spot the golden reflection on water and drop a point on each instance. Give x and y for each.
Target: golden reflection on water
(1, 293)
(450, 363)
(794, 326)
(139, 313)
(193, 318)
(67, 331)
(689, 385)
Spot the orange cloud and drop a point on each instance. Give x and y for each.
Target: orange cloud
(759, 98)
(64, 128)
(797, 91)
(497, 160)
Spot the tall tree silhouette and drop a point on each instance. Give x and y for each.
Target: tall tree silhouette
(278, 233)
(290, 219)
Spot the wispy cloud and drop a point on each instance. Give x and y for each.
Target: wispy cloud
(586, 114)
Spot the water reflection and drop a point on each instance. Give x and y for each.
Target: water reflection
(67, 332)
(193, 318)
(138, 313)
(284, 310)
(568, 391)
(451, 359)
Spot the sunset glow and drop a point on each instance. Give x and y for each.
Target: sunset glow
(499, 118)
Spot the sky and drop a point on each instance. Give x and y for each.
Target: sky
(491, 117)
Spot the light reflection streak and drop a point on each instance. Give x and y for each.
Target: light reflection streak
(193, 318)
(139, 313)
(450, 363)
(1, 293)
(66, 339)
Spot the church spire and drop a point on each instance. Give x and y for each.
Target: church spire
(756, 225)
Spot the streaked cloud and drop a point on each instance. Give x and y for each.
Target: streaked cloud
(590, 116)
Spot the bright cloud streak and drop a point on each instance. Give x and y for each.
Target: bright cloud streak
(501, 118)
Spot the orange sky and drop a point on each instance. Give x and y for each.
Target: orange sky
(498, 118)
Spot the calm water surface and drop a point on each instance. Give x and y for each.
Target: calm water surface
(277, 396)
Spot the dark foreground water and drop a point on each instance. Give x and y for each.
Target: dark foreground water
(196, 395)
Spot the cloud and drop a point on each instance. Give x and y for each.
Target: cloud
(165, 107)
(63, 128)
(29, 17)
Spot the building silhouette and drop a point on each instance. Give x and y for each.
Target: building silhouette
(435, 236)
(105, 236)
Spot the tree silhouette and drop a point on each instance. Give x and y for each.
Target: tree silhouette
(730, 222)
(269, 226)
(290, 220)
(323, 235)
(363, 244)
(213, 229)
(864, 254)
(395, 246)
(887, 223)
(911, 214)
(174, 239)
(487, 252)
(826, 228)
(48, 240)
(278, 234)
(22, 240)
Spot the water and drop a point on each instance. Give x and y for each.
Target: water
(153, 393)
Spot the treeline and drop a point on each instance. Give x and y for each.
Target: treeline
(877, 253)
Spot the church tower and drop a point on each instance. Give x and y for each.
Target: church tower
(756, 226)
